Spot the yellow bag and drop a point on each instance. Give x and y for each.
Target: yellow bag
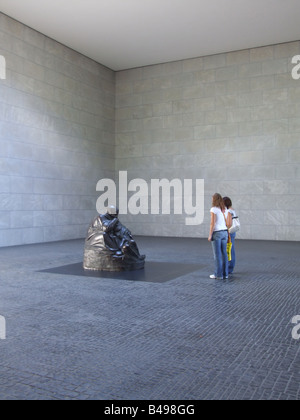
(229, 247)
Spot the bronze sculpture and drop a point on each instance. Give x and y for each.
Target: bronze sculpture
(109, 245)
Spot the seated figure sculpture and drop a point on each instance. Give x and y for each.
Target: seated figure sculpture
(109, 245)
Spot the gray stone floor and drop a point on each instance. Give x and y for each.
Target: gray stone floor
(182, 338)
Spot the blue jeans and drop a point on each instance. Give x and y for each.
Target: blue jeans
(231, 263)
(219, 245)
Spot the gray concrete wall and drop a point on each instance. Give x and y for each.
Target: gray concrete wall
(56, 137)
(66, 122)
(231, 119)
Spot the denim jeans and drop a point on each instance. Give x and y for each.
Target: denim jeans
(231, 263)
(219, 245)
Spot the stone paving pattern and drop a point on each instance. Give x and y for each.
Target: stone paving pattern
(190, 338)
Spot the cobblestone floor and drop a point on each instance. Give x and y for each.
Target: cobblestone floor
(188, 338)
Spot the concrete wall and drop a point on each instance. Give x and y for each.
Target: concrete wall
(66, 122)
(56, 137)
(231, 119)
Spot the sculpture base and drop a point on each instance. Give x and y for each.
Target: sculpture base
(104, 261)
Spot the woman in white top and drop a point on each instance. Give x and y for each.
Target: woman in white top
(231, 264)
(218, 236)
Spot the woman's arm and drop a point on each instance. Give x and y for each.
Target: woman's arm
(229, 220)
(212, 226)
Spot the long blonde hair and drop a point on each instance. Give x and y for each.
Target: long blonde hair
(218, 201)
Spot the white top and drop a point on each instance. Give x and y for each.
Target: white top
(232, 212)
(220, 220)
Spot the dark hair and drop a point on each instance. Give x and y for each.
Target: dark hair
(227, 202)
